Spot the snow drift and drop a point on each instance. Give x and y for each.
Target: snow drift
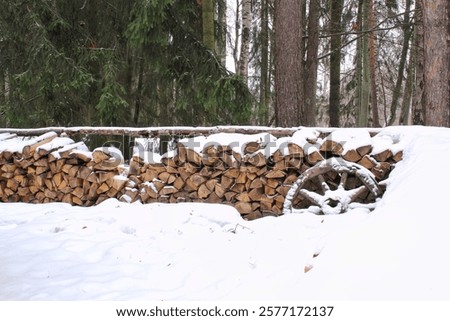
(119, 251)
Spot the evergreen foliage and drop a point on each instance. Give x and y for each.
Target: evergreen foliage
(112, 63)
(162, 62)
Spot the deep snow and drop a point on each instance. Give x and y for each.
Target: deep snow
(119, 251)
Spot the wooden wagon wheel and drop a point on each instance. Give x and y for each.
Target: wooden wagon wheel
(329, 200)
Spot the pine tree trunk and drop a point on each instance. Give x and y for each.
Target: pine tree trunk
(245, 39)
(363, 103)
(208, 23)
(448, 48)
(309, 110)
(288, 62)
(437, 110)
(264, 88)
(418, 110)
(407, 32)
(359, 62)
(237, 27)
(221, 41)
(335, 62)
(2, 93)
(406, 102)
(373, 66)
(137, 100)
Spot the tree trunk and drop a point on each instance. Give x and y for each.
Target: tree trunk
(208, 24)
(264, 88)
(418, 110)
(407, 32)
(137, 101)
(221, 39)
(448, 48)
(288, 62)
(237, 27)
(364, 79)
(245, 39)
(406, 102)
(373, 66)
(309, 109)
(335, 62)
(436, 68)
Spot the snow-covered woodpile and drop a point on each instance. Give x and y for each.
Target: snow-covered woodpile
(251, 172)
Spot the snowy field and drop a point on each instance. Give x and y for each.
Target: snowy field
(118, 251)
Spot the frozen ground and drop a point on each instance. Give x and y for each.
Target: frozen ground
(118, 251)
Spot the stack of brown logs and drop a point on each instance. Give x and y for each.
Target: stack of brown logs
(254, 181)
(61, 172)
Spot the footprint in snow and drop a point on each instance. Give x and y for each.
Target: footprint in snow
(128, 230)
(58, 229)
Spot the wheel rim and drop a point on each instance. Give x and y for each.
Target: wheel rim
(332, 201)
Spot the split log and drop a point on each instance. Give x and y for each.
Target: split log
(82, 155)
(67, 150)
(256, 194)
(243, 207)
(331, 146)
(28, 150)
(168, 190)
(352, 155)
(368, 162)
(203, 191)
(381, 170)
(275, 174)
(213, 198)
(219, 190)
(294, 150)
(314, 156)
(251, 147)
(179, 183)
(167, 178)
(257, 159)
(193, 157)
(398, 157)
(243, 197)
(383, 156)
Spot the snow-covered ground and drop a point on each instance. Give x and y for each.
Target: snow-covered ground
(118, 251)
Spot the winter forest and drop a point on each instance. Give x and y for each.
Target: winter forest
(339, 63)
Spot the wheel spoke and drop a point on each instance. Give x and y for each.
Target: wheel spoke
(313, 197)
(354, 193)
(323, 184)
(343, 180)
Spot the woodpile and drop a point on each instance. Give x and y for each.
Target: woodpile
(252, 175)
(50, 169)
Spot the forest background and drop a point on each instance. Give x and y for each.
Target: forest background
(352, 63)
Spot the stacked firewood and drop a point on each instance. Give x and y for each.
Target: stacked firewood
(253, 178)
(49, 168)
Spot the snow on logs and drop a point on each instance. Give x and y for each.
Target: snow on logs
(253, 173)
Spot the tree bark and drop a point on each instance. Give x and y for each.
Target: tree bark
(407, 32)
(221, 39)
(418, 110)
(373, 66)
(448, 47)
(264, 88)
(208, 23)
(245, 39)
(436, 68)
(288, 62)
(138, 95)
(406, 102)
(364, 84)
(335, 62)
(310, 85)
